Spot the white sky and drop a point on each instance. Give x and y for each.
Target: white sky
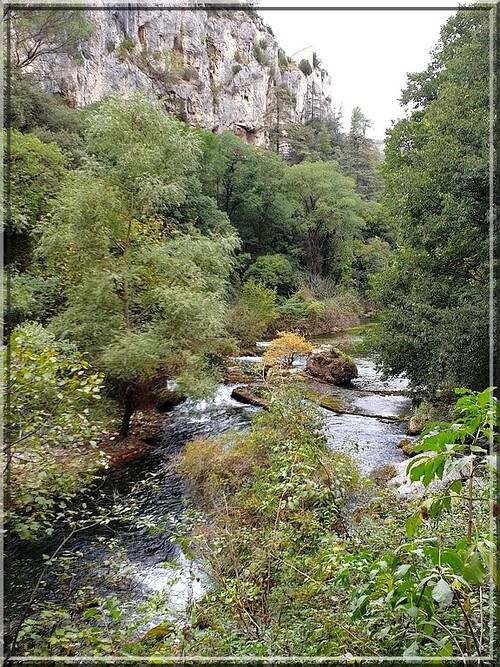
(367, 53)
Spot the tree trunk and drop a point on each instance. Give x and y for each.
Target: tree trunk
(127, 415)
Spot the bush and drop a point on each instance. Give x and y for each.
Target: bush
(260, 55)
(127, 45)
(284, 348)
(305, 67)
(274, 535)
(237, 68)
(282, 59)
(251, 314)
(300, 311)
(274, 271)
(189, 73)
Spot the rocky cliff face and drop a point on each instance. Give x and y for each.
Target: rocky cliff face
(217, 69)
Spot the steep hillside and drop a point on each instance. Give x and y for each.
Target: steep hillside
(217, 69)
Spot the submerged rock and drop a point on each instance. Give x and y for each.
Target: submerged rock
(332, 366)
(246, 395)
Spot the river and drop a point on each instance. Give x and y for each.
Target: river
(131, 563)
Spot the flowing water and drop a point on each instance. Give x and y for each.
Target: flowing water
(145, 566)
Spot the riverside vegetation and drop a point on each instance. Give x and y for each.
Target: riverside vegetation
(143, 253)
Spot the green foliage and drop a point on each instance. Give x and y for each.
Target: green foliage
(314, 141)
(360, 156)
(282, 60)
(275, 271)
(35, 174)
(126, 47)
(260, 55)
(273, 497)
(305, 67)
(300, 310)
(40, 32)
(328, 212)
(52, 436)
(370, 257)
(237, 69)
(141, 296)
(251, 314)
(36, 171)
(435, 328)
(280, 113)
(249, 186)
(429, 596)
(32, 110)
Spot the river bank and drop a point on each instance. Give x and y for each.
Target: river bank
(126, 560)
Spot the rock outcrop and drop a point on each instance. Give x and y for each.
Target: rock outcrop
(214, 68)
(331, 366)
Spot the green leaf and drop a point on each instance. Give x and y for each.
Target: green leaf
(474, 570)
(401, 572)
(449, 557)
(90, 613)
(412, 523)
(411, 650)
(442, 593)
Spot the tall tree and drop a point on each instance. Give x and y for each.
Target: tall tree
(435, 328)
(327, 209)
(249, 185)
(143, 297)
(360, 155)
(280, 112)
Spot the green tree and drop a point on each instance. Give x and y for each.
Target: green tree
(144, 298)
(435, 327)
(328, 210)
(32, 110)
(275, 271)
(52, 437)
(36, 170)
(43, 32)
(249, 186)
(280, 112)
(251, 313)
(360, 156)
(314, 141)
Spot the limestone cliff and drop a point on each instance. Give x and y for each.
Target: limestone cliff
(217, 69)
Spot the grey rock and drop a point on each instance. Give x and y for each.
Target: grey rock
(187, 58)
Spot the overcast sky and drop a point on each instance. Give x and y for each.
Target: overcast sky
(367, 53)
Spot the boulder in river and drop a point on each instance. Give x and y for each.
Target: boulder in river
(406, 446)
(332, 366)
(244, 394)
(415, 426)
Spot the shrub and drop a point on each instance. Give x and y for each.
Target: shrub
(282, 59)
(252, 312)
(284, 348)
(189, 73)
(305, 67)
(110, 46)
(127, 45)
(237, 68)
(274, 271)
(300, 311)
(273, 537)
(260, 55)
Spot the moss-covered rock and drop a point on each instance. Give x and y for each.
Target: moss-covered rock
(332, 366)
